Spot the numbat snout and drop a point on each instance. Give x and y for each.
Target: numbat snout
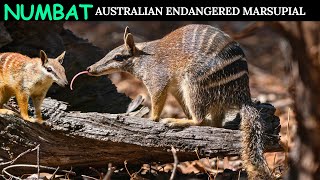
(24, 77)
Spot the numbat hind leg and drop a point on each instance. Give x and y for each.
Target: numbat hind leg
(4, 99)
(196, 109)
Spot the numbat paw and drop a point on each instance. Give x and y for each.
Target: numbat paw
(34, 120)
(7, 111)
(172, 122)
(40, 121)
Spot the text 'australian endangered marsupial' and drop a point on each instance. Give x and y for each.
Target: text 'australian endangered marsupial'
(207, 73)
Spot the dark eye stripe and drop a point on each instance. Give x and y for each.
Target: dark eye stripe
(54, 73)
(121, 57)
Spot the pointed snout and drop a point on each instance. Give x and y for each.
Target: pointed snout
(92, 70)
(63, 83)
(89, 69)
(103, 67)
(66, 82)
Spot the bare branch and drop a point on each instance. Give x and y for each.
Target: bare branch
(54, 173)
(109, 173)
(88, 177)
(20, 155)
(38, 160)
(175, 164)
(5, 170)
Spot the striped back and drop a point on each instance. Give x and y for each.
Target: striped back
(11, 63)
(204, 39)
(216, 56)
(217, 68)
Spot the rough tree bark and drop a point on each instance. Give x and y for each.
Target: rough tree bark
(74, 138)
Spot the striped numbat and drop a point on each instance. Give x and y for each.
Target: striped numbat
(207, 73)
(24, 77)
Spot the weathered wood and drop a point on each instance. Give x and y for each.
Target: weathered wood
(75, 138)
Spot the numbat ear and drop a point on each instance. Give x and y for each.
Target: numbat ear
(61, 57)
(43, 57)
(129, 43)
(126, 32)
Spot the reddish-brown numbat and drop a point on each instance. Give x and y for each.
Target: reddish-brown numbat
(207, 73)
(24, 77)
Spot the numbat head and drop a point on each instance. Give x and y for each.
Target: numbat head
(119, 59)
(206, 71)
(25, 77)
(53, 69)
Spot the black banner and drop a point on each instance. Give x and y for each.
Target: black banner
(115, 10)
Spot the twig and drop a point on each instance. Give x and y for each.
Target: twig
(239, 174)
(196, 150)
(20, 155)
(133, 175)
(67, 174)
(38, 160)
(4, 170)
(88, 177)
(109, 173)
(125, 166)
(217, 166)
(209, 175)
(135, 104)
(274, 163)
(175, 164)
(93, 169)
(54, 173)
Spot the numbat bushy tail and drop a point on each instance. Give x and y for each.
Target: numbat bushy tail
(24, 77)
(207, 73)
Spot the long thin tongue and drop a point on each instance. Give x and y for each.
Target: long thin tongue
(74, 77)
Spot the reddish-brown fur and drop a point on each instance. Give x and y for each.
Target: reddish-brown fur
(24, 77)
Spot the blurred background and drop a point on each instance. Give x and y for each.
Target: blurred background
(269, 55)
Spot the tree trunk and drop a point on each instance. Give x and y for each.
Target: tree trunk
(74, 138)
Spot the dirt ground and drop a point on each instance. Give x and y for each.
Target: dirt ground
(268, 55)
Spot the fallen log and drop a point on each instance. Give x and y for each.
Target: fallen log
(73, 138)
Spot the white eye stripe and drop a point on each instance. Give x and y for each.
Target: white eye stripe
(51, 68)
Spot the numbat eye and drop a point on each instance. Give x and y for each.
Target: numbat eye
(118, 58)
(49, 69)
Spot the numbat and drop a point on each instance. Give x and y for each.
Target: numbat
(207, 73)
(25, 77)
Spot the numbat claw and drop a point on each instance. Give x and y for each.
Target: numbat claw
(83, 72)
